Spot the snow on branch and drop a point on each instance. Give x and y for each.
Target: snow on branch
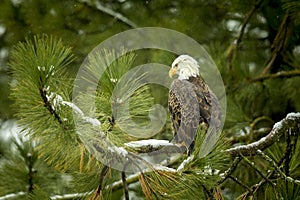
(70, 196)
(13, 196)
(150, 145)
(274, 165)
(185, 162)
(279, 128)
(93, 121)
(54, 101)
(114, 186)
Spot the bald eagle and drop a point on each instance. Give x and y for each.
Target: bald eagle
(191, 103)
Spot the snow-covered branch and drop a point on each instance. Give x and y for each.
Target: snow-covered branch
(13, 195)
(185, 162)
(135, 177)
(114, 186)
(279, 128)
(70, 196)
(55, 101)
(146, 146)
(274, 165)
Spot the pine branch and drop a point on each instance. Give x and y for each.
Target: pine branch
(185, 162)
(256, 187)
(70, 196)
(252, 165)
(101, 179)
(119, 184)
(241, 184)
(208, 194)
(288, 153)
(248, 137)
(77, 110)
(282, 74)
(280, 41)
(230, 170)
(125, 186)
(269, 174)
(279, 128)
(135, 177)
(236, 42)
(31, 172)
(13, 196)
(253, 134)
(110, 12)
(146, 146)
(259, 119)
(48, 106)
(277, 169)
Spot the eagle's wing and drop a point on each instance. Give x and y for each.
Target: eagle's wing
(210, 111)
(191, 103)
(184, 112)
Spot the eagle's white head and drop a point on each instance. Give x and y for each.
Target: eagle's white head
(185, 66)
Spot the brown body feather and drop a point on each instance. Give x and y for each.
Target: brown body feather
(191, 103)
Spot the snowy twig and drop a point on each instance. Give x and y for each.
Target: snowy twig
(146, 146)
(241, 184)
(135, 177)
(13, 196)
(230, 170)
(54, 101)
(279, 171)
(90, 120)
(119, 184)
(110, 12)
(185, 162)
(252, 165)
(279, 128)
(70, 196)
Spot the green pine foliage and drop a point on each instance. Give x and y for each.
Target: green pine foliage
(39, 69)
(259, 67)
(22, 171)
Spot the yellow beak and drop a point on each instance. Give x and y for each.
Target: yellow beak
(172, 72)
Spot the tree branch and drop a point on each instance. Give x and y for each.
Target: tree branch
(252, 165)
(241, 184)
(236, 42)
(125, 185)
(248, 137)
(135, 177)
(101, 179)
(277, 75)
(230, 170)
(255, 148)
(13, 195)
(279, 128)
(280, 41)
(110, 12)
(151, 145)
(279, 171)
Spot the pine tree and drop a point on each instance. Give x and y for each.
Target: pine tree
(257, 155)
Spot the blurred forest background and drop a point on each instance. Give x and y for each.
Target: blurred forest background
(255, 44)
